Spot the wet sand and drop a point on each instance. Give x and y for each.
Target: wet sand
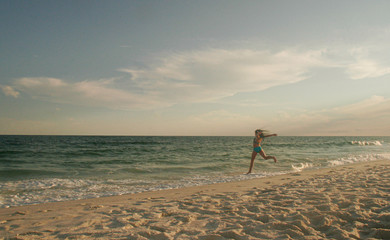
(345, 202)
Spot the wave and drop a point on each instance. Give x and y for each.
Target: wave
(367, 143)
(58, 189)
(358, 158)
(301, 166)
(304, 143)
(14, 174)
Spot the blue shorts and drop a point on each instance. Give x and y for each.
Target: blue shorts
(257, 149)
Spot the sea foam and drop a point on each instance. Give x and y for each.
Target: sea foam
(366, 143)
(301, 166)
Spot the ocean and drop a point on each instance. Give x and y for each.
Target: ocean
(39, 169)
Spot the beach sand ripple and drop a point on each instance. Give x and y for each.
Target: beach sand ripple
(347, 202)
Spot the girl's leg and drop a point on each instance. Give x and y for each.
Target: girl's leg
(252, 161)
(262, 153)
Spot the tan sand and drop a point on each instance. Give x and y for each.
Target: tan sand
(347, 202)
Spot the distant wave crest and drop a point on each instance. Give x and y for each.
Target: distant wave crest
(366, 143)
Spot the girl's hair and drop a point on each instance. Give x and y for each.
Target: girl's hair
(263, 131)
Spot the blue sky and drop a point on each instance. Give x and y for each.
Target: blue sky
(195, 67)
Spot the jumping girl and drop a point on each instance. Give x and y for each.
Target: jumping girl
(259, 137)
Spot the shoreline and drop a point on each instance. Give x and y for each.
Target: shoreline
(348, 201)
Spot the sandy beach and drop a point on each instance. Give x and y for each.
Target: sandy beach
(345, 202)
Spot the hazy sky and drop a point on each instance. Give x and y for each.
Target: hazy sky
(195, 67)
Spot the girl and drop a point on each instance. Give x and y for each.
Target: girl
(257, 147)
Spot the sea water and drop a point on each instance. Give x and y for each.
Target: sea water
(38, 169)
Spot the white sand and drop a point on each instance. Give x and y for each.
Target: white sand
(347, 202)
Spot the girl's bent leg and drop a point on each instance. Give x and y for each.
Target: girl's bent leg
(262, 153)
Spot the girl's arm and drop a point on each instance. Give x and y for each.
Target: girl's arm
(272, 135)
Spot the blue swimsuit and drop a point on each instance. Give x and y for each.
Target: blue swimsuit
(257, 149)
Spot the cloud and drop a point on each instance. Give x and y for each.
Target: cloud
(9, 91)
(212, 74)
(101, 92)
(200, 76)
(48, 88)
(40, 82)
(372, 108)
(365, 66)
(105, 93)
(367, 117)
(185, 77)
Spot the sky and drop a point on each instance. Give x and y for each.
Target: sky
(185, 68)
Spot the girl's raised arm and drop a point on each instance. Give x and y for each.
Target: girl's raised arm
(272, 135)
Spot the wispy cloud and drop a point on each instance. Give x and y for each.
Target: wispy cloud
(363, 65)
(372, 108)
(40, 82)
(101, 92)
(367, 117)
(196, 76)
(9, 91)
(213, 74)
(200, 76)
